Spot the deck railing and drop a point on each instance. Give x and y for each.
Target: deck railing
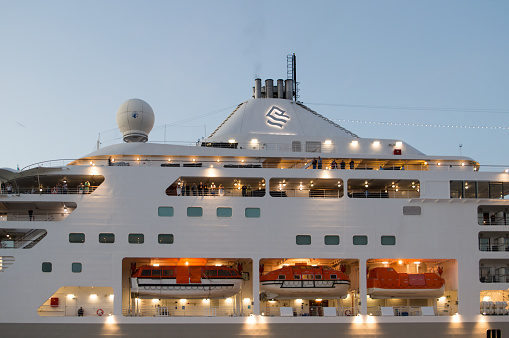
(183, 311)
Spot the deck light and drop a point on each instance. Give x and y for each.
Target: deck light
(229, 300)
(318, 299)
(93, 296)
(231, 141)
(439, 163)
(169, 160)
(112, 296)
(255, 140)
(70, 296)
(400, 262)
(217, 160)
(328, 142)
(155, 264)
(242, 161)
(376, 143)
(462, 164)
(194, 160)
(506, 171)
(399, 144)
(355, 142)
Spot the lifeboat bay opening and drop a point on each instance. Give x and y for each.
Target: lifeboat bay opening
(291, 287)
(187, 287)
(412, 287)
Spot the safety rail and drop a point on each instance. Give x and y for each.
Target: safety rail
(72, 311)
(405, 311)
(308, 311)
(38, 217)
(52, 191)
(383, 194)
(493, 247)
(183, 311)
(302, 163)
(486, 277)
(493, 220)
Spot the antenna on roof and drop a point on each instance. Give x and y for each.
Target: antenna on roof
(291, 74)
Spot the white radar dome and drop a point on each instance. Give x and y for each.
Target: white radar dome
(135, 119)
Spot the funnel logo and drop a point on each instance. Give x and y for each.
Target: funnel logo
(276, 117)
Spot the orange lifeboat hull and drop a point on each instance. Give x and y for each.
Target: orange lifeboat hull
(305, 282)
(387, 283)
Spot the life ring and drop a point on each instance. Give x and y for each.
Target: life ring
(100, 312)
(348, 313)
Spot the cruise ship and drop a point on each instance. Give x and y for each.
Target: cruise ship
(280, 223)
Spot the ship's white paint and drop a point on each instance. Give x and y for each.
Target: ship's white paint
(209, 288)
(295, 289)
(381, 293)
(128, 200)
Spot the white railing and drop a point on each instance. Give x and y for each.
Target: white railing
(72, 310)
(309, 311)
(39, 217)
(184, 311)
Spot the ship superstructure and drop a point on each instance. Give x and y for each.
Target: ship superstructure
(181, 239)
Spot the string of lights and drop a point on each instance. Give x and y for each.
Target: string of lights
(432, 125)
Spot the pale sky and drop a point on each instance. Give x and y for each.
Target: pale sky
(66, 67)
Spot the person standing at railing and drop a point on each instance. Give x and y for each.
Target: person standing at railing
(200, 189)
(30, 214)
(319, 162)
(80, 188)
(342, 165)
(2, 188)
(221, 190)
(9, 188)
(314, 162)
(194, 189)
(65, 188)
(81, 312)
(333, 165)
(87, 187)
(179, 190)
(212, 189)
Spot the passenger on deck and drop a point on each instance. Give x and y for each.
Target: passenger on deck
(352, 164)
(244, 191)
(319, 162)
(314, 162)
(200, 189)
(30, 214)
(333, 165)
(80, 312)
(342, 164)
(194, 189)
(179, 190)
(221, 190)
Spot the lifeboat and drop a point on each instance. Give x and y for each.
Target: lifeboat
(185, 282)
(387, 283)
(306, 282)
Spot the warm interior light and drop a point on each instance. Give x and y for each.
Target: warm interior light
(155, 300)
(112, 296)
(318, 299)
(399, 144)
(229, 300)
(255, 140)
(439, 163)
(194, 160)
(247, 300)
(400, 262)
(169, 160)
(206, 300)
(93, 296)
(355, 142)
(155, 264)
(417, 263)
(328, 142)
(376, 143)
(137, 158)
(70, 296)
(231, 141)
(182, 301)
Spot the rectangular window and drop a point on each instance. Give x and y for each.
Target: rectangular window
(165, 238)
(303, 239)
(194, 212)
(333, 276)
(136, 238)
(360, 240)
(211, 273)
(167, 273)
(296, 277)
(156, 273)
(106, 238)
(281, 277)
(165, 212)
(76, 237)
(253, 212)
(318, 276)
(307, 276)
(146, 273)
(224, 212)
(388, 240)
(47, 266)
(76, 267)
(331, 240)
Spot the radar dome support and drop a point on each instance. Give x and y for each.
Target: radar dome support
(135, 119)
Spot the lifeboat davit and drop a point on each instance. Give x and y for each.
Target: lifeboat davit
(185, 282)
(306, 282)
(387, 283)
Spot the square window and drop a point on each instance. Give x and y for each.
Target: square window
(194, 211)
(76, 238)
(360, 240)
(224, 212)
(76, 267)
(388, 240)
(331, 240)
(106, 238)
(47, 266)
(165, 238)
(303, 239)
(252, 212)
(136, 238)
(165, 212)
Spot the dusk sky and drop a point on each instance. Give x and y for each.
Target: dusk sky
(67, 66)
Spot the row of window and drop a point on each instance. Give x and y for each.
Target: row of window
(79, 237)
(334, 240)
(48, 267)
(198, 212)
